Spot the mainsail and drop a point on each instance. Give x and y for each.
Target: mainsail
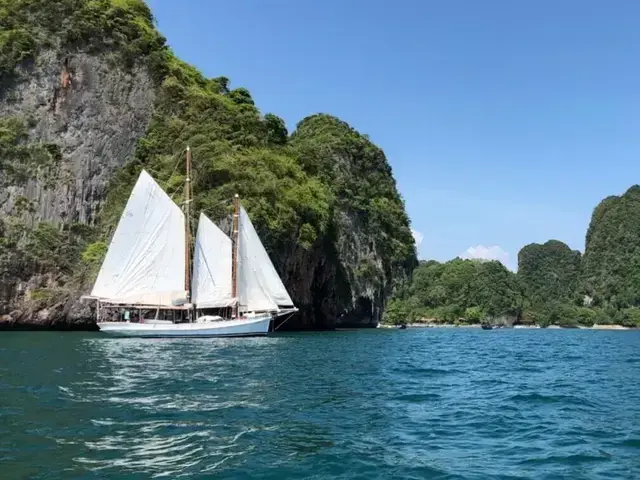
(145, 263)
(211, 287)
(259, 285)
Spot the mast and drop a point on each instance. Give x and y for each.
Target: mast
(234, 253)
(187, 226)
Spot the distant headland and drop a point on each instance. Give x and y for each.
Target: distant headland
(554, 285)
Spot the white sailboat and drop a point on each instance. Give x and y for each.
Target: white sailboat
(234, 289)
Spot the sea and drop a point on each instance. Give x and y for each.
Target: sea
(367, 404)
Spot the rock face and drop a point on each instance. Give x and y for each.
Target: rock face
(325, 284)
(368, 249)
(94, 112)
(90, 95)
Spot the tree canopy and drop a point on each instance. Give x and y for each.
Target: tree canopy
(549, 272)
(611, 264)
(467, 290)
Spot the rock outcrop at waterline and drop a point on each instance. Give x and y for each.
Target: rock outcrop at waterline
(90, 95)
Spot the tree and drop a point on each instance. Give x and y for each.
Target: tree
(474, 314)
(241, 96)
(277, 133)
(396, 312)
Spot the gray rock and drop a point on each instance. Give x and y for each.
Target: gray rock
(95, 121)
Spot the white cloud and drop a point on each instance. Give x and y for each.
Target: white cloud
(417, 237)
(481, 252)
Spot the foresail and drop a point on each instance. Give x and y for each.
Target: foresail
(259, 283)
(211, 285)
(145, 263)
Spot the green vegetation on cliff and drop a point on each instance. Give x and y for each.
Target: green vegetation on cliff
(20, 161)
(549, 272)
(360, 181)
(602, 286)
(28, 249)
(468, 290)
(611, 263)
(124, 27)
(305, 192)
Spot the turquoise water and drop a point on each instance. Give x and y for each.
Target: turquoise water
(373, 404)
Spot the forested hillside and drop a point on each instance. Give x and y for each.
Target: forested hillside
(90, 94)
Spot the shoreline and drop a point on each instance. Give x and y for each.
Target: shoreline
(519, 327)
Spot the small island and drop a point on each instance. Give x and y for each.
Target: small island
(553, 287)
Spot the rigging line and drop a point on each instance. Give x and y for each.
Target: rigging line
(216, 205)
(284, 321)
(165, 185)
(206, 262)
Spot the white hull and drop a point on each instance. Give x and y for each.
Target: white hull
(242, 327)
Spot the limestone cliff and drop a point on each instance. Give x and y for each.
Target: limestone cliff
(549, 272)
(610, 267)
(90, 95)
(93, 112)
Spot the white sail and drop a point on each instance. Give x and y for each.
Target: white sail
(259, 286)
(211, 287)
(145, 263)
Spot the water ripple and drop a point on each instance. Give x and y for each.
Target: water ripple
(414, 404)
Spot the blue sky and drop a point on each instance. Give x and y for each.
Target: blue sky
(505, 122)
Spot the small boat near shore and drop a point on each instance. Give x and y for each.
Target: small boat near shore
(493, 326)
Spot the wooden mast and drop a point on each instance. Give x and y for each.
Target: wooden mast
(234, 253)
(187, 226)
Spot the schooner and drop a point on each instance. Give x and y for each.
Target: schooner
(229, 288)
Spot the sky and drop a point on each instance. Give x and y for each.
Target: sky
(505, 122)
